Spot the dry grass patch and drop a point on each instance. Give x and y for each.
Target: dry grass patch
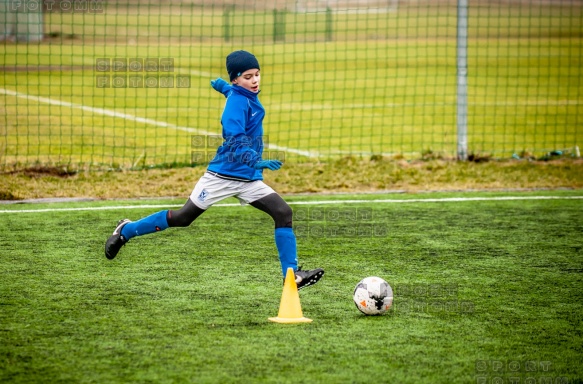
(345, 175)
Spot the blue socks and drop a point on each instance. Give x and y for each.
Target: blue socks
(285, 240)
(153, 223)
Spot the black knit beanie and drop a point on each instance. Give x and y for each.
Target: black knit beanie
(239, 62)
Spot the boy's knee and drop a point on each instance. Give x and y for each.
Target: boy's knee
(184, 216)
(180, 218)
(283, 216)
(175, 219)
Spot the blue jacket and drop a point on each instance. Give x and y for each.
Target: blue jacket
(242, 147)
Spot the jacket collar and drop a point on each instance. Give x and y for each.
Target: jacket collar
(242, 91)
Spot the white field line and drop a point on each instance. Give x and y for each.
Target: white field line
(286, 106)
(317, 202)
(275, 106)
(164, 124)
(101, 111)
(196, 73)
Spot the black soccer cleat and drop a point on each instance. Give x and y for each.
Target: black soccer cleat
(115, 241)
(309, 277)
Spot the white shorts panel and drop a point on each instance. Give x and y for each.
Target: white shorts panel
(211, 189)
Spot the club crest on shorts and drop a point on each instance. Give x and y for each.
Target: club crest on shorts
(203, 195)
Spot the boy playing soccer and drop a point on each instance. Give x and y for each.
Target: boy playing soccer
(236, 170)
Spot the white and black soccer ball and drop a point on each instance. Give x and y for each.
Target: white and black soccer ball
(373, 296)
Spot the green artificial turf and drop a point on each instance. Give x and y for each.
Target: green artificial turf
(484, 289)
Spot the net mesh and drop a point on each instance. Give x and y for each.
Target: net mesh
(126, 83)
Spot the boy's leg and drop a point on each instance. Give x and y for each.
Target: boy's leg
(158, 221)
(154, 223)
(184, 216)
(207, 191)
(285, 239)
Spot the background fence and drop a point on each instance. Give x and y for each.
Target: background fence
(126, 83)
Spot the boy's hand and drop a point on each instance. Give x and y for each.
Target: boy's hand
(221, 86)
(274, 165)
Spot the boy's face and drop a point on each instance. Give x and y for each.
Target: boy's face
(249, 80)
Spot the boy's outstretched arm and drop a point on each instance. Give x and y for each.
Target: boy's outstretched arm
(274, 165)
(221, 86)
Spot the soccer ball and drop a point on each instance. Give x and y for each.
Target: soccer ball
(373, 296)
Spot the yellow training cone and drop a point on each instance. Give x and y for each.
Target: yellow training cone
(290, 310)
